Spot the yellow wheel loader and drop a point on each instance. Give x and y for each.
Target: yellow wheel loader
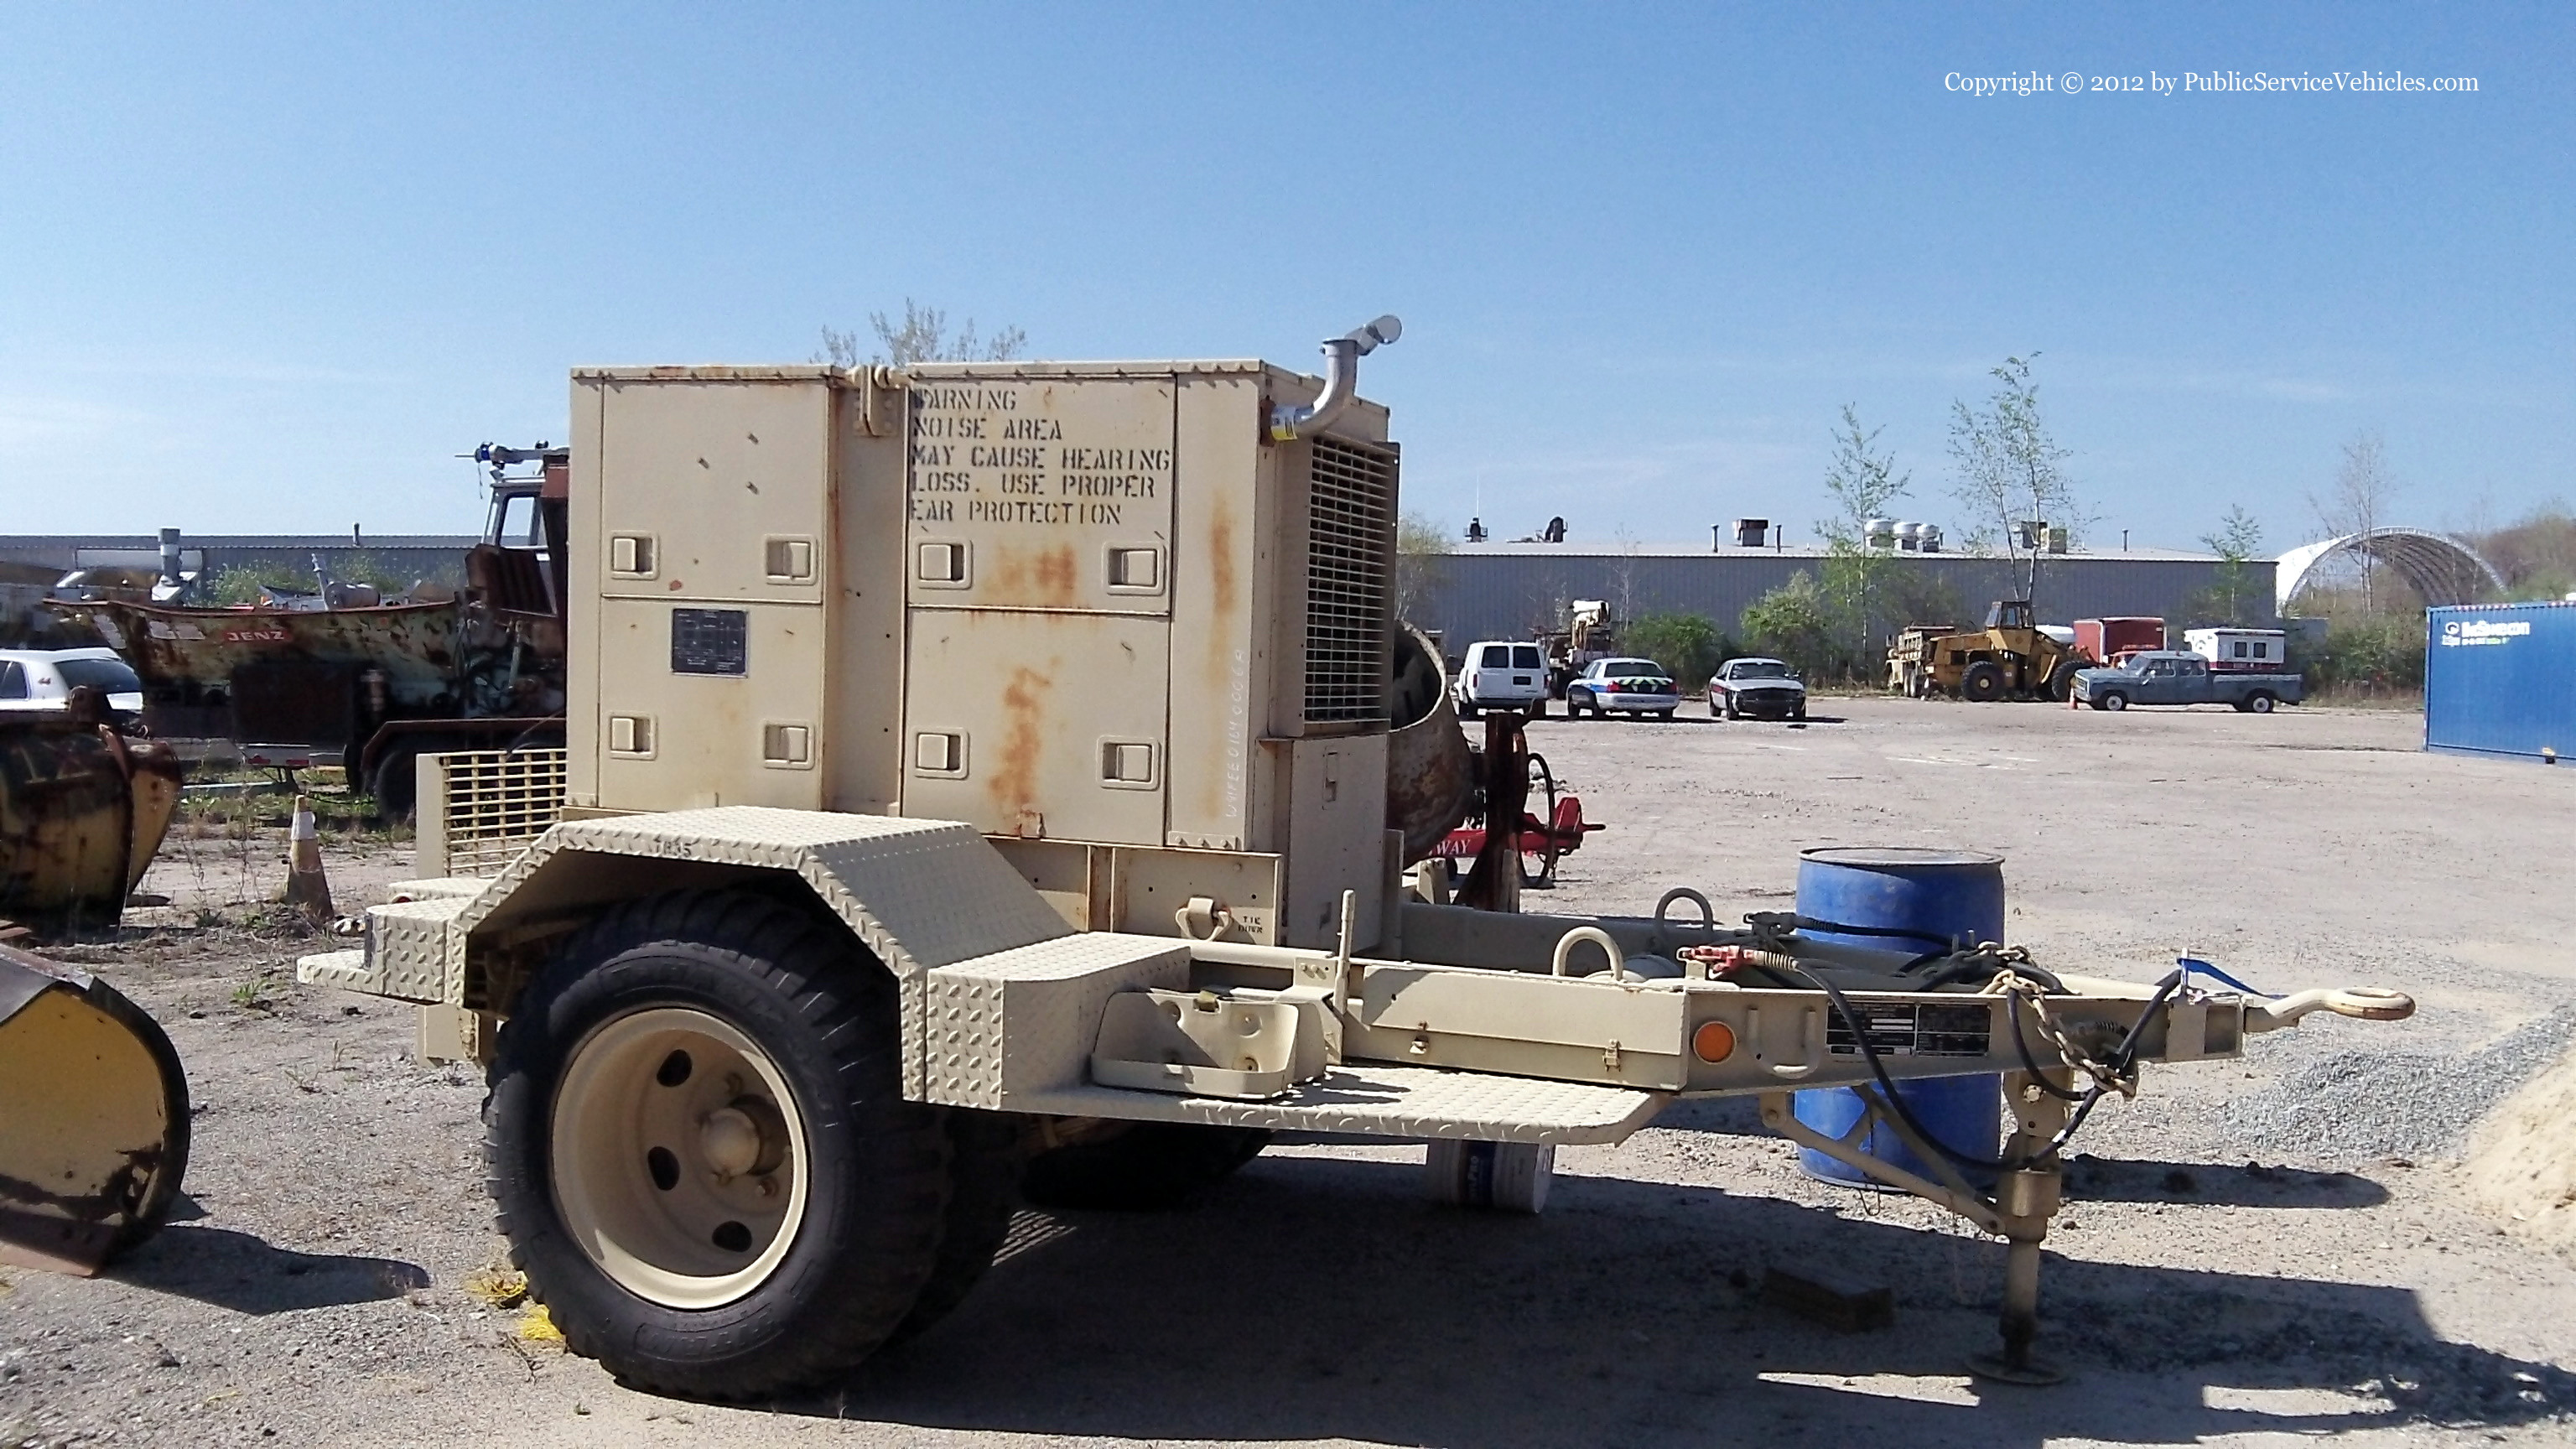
(2011, 658)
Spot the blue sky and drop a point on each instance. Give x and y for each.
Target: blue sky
(271, 268)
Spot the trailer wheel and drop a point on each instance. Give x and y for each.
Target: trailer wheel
(984, 1172)
(1150, 1165)
(396, 783)
(1983, 683)
(698, 1142)
(2259, 702)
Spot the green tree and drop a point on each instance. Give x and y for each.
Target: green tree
(923, 336)
(2010, 470)
(1422, 550)
(1795, 623)
(1863, 484)
(1689, 645)
(2232, 596)
(2373, 655)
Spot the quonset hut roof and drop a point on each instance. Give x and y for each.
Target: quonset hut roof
(2441, 569)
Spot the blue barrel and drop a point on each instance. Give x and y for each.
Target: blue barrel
(1941, 899)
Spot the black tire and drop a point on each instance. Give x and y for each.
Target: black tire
(1576, 700)
(2259, 702)
(1731, 711)
(1538, 708)
(1466, 709)
(875, 1167)
(396, 783)
(1663, 714)
(1982, 683)
(1150, 1165)
(2112, 700)
(985, 1165)
(1799, 714)
(2060, 684)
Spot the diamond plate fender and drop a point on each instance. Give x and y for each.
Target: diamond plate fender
(919, 894)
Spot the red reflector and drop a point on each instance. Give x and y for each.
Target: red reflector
(1714, 1041)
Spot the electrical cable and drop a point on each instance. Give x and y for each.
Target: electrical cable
(1838, 928)
(2030, 1064)
(2119, 1062)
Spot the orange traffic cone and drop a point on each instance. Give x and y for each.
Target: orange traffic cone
(307, 888)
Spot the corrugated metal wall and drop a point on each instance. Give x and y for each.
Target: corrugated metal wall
(2501, 680)
(1512, 596)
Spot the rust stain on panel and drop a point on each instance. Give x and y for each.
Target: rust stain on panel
(1221, 789)
(1032, 579)
(1014, 784)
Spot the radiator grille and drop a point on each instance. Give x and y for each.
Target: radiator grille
(495, 804)
(1352, 494)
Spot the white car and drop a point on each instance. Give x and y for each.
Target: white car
(1756, 687)
(43, 679)
(1501, 674)
(1630, 686)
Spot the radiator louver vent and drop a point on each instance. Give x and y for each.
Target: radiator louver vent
(1348, 529)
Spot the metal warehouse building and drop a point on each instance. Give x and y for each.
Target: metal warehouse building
(1514, 590)
(406, 556)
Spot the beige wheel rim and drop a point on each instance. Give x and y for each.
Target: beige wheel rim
(678, 1157)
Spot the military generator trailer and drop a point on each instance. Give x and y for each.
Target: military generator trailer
(980, 772)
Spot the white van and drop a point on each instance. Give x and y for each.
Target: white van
(1502, 674)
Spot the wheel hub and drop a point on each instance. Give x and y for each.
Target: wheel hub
(678, 1157)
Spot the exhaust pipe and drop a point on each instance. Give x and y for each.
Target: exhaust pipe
(1289, 422)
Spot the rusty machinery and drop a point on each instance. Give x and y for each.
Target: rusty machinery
(93, 1107)
(379, 682)
(988, 769)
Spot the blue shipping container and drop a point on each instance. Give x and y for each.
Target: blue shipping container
(2501, 680)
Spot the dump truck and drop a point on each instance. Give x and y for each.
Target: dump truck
(379, 683)
(2011, 657)
(978, 781)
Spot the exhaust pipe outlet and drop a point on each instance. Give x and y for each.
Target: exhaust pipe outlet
(1289, 422)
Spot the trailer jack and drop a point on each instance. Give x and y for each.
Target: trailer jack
(2025, 1197)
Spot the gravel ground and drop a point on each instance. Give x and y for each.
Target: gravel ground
(2253, 1250)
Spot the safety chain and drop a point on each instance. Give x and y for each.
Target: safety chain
(2009, 983)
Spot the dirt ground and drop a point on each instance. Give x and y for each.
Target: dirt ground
(2255, 1252)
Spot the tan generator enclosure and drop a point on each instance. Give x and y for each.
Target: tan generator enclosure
(1097, 611)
